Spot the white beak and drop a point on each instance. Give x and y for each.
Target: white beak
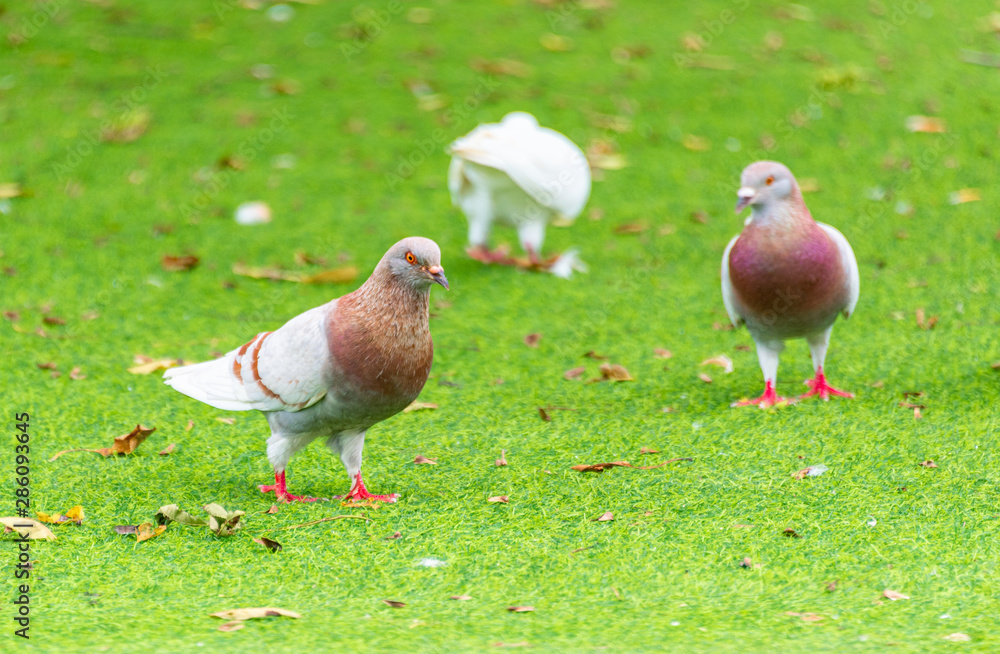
(745, 194)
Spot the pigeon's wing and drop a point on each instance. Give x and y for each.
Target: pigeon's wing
(457, 183)
(728, 298)
(850, 264)
(284, 370)
(542, 162)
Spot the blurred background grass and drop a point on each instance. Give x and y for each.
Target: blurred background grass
(337, 114)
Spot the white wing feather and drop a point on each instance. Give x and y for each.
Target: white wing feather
(292, 369)
(728, 298)
(545, 164)
(850, 263)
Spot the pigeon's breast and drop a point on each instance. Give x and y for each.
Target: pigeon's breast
(788, 283)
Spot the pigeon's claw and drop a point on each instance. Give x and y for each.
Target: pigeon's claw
(281, 492)
(819, 386)
(769, 399)
(359, 493)
(501, 255)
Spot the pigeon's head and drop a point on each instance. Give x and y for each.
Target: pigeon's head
(416, 262)
(764, 183)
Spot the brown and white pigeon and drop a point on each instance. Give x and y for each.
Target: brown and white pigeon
(786, 276)
(333, 371)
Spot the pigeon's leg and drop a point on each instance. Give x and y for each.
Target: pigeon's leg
(818, 385)
(532, 235)
(281, 492)
(767, 354)
(280, 448)
(480, 213)
(349, 447)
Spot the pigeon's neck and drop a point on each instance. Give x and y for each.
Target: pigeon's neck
(391, 306)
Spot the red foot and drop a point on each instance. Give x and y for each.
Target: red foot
(281, 493)
(359, 493)
(818, 386)
(482, 253)
(768, 399)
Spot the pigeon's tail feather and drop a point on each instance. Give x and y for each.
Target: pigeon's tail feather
(211, 382)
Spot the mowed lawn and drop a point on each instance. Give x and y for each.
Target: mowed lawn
(135, 129)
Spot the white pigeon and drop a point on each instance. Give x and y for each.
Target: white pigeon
(786, 276)
(520, 174)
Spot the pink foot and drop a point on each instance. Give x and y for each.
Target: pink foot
(359, 493)
(768, 399)
(281, 493)
(481, 253)
(818, 386)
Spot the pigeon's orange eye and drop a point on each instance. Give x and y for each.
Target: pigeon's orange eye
(410, 258)
(769, 181)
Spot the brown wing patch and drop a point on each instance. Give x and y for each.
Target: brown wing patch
(253, 367)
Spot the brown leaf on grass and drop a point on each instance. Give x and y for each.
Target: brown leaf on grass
(394, 604)
(531, 340)
(544, 415)
(128, 127)
(420, 406)
(189, 426)
(723, 326)
(178, 262)
(145, 531)
(126, 529)
(964, 195)
(742, 347)
(173, 513)
(722, 361)
(615, 372)
(607, 516)
(923, 322)
(520, 609)
(594, 355)
(124, 444)
(395, 536)
(705, 378)
(502, 461)
(53, 321)
(28, 528)
(928, 464)
(660, 353)
(12, 316)
(168, 449)
(791, 533)
(601, 467)
(147, 365)
(74, 515)
(498, 499)
(231, 626)
(832, 586)
(805, 617)
(223, 522)
(271, 511)
(333, 276)
(271, 545)
(556, 43)
(421, 459)
(239, 615)
(894, 595)
(574, 373)
(995, 365)
(927, 124)
(48, 365)
(226, 421)
(631, 228)
(461, 598)
(746, 562)
(76, 375)
(89, 315)
(501, 67)
(341, 275)
(648, 450)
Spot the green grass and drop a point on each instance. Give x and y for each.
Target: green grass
(667, 581)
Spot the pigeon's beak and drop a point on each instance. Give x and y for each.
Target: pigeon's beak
(437, 274)
(745, 195)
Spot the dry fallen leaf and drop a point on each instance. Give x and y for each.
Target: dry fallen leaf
(501, 67)
(520, 609)
(894, 595)
(722, 361)
(502, 461)
(696, 143)
(601, 467)
(226, 421)
(147, 365)
(631, 228)
(746, 562)
(928, 464)
(648, 450)
(574, 373)
(928, 124)
(420, 406)
(173, 513)
(189, 426)
(128, 127)
(394, 604)
(662, 354)
(168, 449)
(811, 471)
(607, 516)
(420, 458)
(231, 626)
(239, 615)
(271, 511)
(544, 415)
(30, 529)
(957, 637)
(333, 276)
(498, 499)
(705, 378)
(805, 617)
(615, 372)
(791, 533)
(223, 522)
(531, 340)
(124, 444)
(556, 43)
(461, 598)
(964, 195)
(126, 529)
(923, 322)
(178, 262)
(271, 545)
(145, 531)
(74, 515)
